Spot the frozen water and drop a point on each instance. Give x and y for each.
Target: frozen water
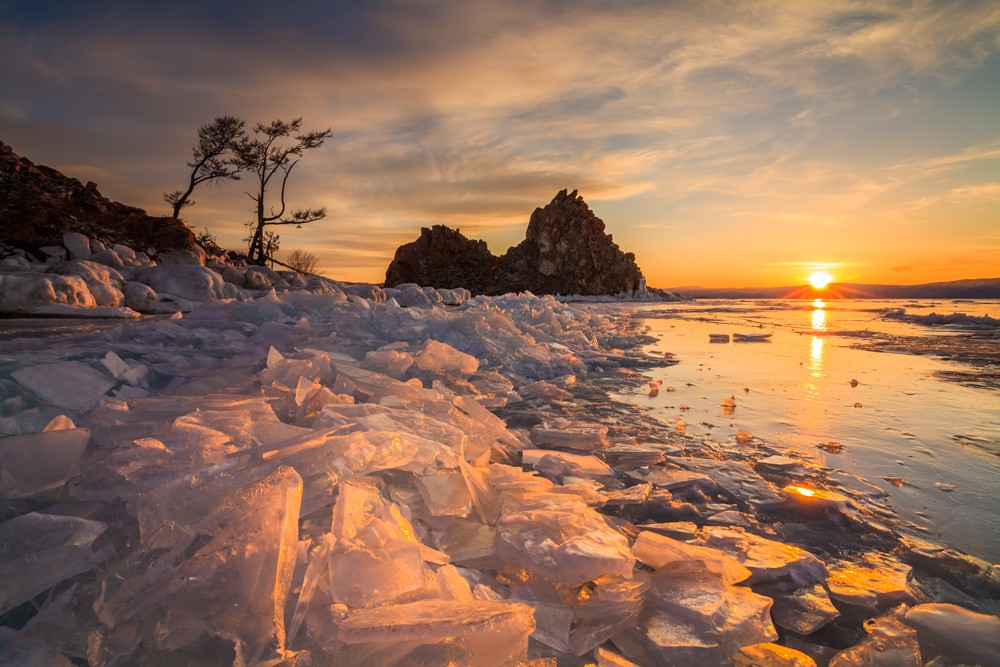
(69, 384)
(955, 632)
(104, 283)
(875, 582)
(766, 559)
(771, 655)
(890, 643)
(26, 291)
(35, 463)
(77, 244)
(37, 551)
(332, 460)
(438, 632)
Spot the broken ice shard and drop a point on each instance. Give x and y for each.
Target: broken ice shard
(67, 384)
(568, 544)
(231, 582)
(487, 633)
(32, 464)
(37, 551)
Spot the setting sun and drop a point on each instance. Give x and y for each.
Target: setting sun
(820, 279)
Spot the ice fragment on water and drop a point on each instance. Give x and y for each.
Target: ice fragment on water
(737, 479)
(560, 464)
(67, 384)
(800, 609)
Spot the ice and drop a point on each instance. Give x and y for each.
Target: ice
(771, 655)
(37, 551)
(766, 559)
(561, 464)
(578, 435)
(568, 544)
(890, 643)
(192, 283)
(33, 464)
(69, 384)
(26, 291)
(438, 632)
(77, 244)
(104, 283)
(803, 610)
(231, 582)
(737, 479)
(696, 618)
(139, 297)
(876, 581)
(439, 358)
(956, 633)
(445, 494)
(670, 555)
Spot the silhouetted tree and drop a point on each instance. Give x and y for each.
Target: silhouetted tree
(270, 244)
(213, 159)
(270, 154)
(302, 261)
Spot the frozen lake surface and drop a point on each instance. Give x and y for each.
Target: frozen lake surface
(915, 425)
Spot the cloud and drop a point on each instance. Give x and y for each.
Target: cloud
(473, 113)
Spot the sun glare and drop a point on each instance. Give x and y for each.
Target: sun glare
(820, 279)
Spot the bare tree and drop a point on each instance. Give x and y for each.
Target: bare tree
(302, 261)
(271, 154)
(212, 159)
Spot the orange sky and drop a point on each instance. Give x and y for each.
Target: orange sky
(725, 144)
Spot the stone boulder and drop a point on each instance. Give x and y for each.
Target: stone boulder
(565, 251)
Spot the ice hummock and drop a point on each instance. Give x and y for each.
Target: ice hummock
(398, 485)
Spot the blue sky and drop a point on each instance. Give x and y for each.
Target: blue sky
(725, 143)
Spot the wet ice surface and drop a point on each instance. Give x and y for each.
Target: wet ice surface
(326, 479)
(931, 444)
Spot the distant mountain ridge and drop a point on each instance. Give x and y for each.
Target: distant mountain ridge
(976, 288)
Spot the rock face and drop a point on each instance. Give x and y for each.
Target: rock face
(39, 204)
(565, 251)
(443, 257)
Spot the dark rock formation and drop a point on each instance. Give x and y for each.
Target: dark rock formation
(565, 251)
(442, 257)
(38, 204)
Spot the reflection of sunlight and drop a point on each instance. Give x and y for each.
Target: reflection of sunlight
(819, 320)
(819, 303)
(816, 353)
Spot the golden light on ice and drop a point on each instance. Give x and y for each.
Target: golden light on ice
(801, 490)
(820, 279)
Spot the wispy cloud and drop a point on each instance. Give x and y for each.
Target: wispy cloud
(473, 113)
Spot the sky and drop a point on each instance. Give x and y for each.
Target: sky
(742, 143)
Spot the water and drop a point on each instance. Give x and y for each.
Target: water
(901, 420)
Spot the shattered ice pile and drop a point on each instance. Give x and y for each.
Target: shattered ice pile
(323, 476)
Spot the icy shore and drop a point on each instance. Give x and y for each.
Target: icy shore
(330, 477)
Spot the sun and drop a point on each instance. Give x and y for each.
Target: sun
(820, 279)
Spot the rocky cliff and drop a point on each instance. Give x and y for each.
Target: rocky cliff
(39, 204)
(565, 251)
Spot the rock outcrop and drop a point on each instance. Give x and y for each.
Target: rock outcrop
(38, 205)
(443, 257)
(565, 251)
